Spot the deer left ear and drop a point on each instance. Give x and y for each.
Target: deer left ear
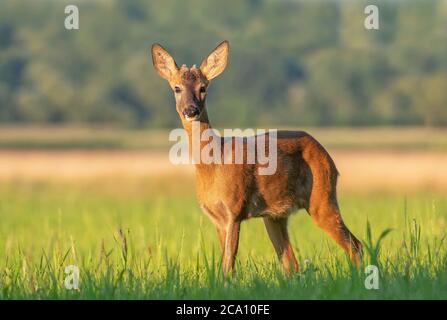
(216, 62)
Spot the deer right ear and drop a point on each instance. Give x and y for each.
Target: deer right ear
(163, 62)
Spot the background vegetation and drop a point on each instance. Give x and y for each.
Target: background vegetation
(292, 62)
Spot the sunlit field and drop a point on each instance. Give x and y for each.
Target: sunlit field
(130, 221)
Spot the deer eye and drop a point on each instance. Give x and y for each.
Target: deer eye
(202, 89)
(177, 89)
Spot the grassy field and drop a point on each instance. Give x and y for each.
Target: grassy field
(136, 230)
(140, 240)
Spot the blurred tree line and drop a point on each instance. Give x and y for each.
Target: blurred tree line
(291, 62)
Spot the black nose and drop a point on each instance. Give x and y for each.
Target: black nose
(191, 112)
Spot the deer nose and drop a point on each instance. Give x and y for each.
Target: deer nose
(191, 111)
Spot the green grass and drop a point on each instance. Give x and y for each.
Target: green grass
(148, 240)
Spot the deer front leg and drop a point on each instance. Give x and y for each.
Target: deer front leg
(222, 234)
(231, 246)
(220, 224)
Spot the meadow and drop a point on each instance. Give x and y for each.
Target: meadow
(131, 223)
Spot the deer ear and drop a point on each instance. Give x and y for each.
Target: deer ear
(216, 62)
(163, 62)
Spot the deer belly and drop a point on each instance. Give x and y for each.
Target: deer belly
(259, 207)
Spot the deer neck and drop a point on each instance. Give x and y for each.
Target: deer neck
(195, 130)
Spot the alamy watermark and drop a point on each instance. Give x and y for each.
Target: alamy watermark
(71, 280)
(372, 20)
(234, 147)
(372, 278)
(71, 21)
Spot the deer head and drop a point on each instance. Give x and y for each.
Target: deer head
(190, 84)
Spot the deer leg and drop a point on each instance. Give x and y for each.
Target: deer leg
(221, 233)
(220, 227)
(327, 217)
(277, 231)
(231, 246)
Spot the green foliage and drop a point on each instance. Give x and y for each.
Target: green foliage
(371, 248)
(292, 62)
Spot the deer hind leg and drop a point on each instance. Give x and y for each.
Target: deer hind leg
(327, 217)
(277, 231)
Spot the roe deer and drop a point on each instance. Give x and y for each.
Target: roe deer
(306, 176)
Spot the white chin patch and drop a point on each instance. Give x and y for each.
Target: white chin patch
(191, 118)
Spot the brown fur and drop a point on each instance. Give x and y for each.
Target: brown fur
(305, 178)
